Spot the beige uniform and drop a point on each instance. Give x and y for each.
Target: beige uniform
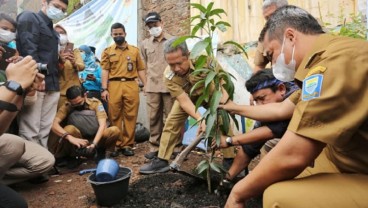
(159, 101)
(123, 89)
(332, 109)
(68, 75)
(108, 139)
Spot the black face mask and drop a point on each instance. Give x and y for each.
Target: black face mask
(119, 40)
(79, 107)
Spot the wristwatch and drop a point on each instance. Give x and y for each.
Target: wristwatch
(229, 141)
(14, 86)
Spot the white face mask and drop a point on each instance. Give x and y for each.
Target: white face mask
(282, 71)
(63, 39)
(6, 36)
(155, 31)
(54, 13)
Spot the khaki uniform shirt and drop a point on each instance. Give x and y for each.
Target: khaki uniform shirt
(68, 76)
(92, 104)
(177, 85)
(153, 55)
(115, 60)
(332, 106)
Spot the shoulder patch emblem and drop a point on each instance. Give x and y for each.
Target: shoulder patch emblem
(312, 87)
(100, 108)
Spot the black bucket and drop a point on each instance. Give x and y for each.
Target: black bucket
(112, 192)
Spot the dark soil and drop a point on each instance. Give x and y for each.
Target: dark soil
(173, 190)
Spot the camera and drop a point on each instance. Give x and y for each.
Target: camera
(42, 68)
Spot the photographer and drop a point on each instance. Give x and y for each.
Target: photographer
(19, 159)
(36, 37)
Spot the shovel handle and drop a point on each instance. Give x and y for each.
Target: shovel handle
(82, 172)
(176, 164)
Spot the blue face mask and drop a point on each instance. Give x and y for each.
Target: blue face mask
(12, 45)
(54, 13)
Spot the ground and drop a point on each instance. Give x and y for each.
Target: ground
(174, 190)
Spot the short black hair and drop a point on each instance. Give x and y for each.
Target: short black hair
(74, 91)
(64, 1)
(117, 25)
(260, 77)
(6, 17)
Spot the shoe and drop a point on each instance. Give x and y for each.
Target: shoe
(157, 165)
(151, 155)
(115, 153)
(127, 151)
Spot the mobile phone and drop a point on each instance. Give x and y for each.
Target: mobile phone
(69, 47)
(9, 52)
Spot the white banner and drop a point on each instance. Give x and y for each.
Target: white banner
(90, 25)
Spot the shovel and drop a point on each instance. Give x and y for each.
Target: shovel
(175, 165)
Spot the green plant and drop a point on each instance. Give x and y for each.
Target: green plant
(354, 26)
(214, 81)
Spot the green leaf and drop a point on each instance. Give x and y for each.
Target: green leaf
(199, 101)
(200, 70)
(238, 46)
(210, 5)
(196, 85)
(201, 60)
(199, 7)
(221, 27)
(223, 23)
(195, 17)
(202, 166)
(225, 126)
(215, 100)
(214, 166)
(198, 48)
(195, 29)
(235, 120)
(210, 121)
(217, 12)
(209, 78)
(182, 39)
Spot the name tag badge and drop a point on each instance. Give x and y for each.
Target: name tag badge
(312, 87)
(100, 108)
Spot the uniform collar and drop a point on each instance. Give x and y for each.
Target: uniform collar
(124, 47)
(319, 47)
(88, 101)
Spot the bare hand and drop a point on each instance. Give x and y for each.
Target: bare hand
(105, 96)
(23, 72)
(14, 59)
(77, 141)
(201, 127)
(229, 106)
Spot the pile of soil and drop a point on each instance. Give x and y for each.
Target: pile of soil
(175, 190)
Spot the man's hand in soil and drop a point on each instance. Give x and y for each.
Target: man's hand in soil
(77, 141)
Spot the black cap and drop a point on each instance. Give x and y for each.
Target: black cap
(152, 17)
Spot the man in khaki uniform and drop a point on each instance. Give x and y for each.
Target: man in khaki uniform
(179, 80)
(268, 8)
(121, 65)
(159, 101)
(71, 137)
(328, 133)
